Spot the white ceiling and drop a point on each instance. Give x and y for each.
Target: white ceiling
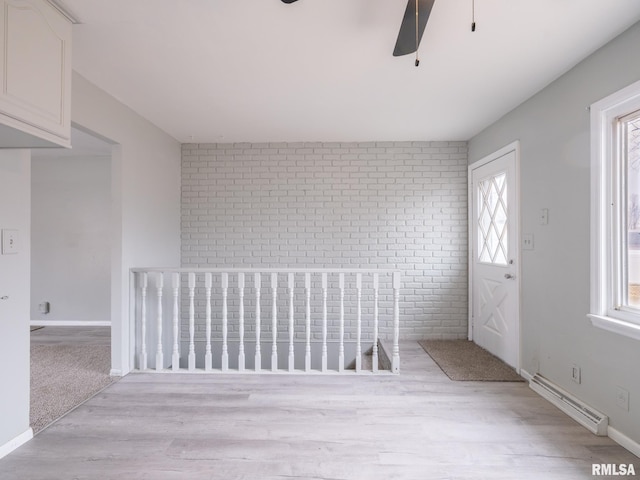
(323, 70)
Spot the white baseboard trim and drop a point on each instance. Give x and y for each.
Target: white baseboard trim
(69, 323)
(115, 373)
(526, 375)
(624, 441)
(11, 445)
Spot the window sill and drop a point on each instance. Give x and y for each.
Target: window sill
(614, 325)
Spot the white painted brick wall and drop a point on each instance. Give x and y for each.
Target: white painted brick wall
(392, 205)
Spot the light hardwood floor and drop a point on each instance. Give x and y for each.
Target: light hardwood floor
(418, 425)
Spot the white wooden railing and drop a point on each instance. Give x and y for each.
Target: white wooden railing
(205, 304)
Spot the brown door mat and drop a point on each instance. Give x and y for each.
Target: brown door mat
(463, 360)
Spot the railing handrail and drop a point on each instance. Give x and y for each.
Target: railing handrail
(260, 270)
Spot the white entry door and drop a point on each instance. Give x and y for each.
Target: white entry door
(495, 255)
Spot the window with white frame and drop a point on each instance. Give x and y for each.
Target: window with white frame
(630, 226)
(615, 212)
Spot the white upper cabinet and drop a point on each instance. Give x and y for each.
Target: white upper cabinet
(35, 85)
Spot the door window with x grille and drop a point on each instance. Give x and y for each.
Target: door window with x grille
(493, 235)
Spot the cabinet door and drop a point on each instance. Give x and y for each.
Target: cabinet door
(35, 58)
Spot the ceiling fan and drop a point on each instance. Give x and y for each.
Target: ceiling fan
(412, 26)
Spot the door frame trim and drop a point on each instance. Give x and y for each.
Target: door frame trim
(511, 147)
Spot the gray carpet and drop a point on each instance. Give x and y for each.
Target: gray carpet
(465, 361)
(63, 377)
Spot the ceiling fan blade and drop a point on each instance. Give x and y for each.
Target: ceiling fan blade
(406, 42)
(289, 1)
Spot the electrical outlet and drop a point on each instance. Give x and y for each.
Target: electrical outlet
(575, 373)
(622, 398)
(527, 241)
(44, 307)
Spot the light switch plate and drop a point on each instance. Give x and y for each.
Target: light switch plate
(544, 216)
(9, 241)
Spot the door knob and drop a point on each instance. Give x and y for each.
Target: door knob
(508, 276)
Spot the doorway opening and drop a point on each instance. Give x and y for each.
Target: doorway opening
(71, 270)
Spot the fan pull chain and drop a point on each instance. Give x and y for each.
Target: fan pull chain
(473, 15)
(417, 35)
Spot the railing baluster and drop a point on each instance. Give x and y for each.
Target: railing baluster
(208, 357)
(291, 324)
(395, 359)
(274, 322)
(224, 279)
(241, 362)
(324, 322)
(258, 360)
(358, 322)
(143, 314)
(192, 327)
(307, 352)
(341, 351)
(159, 353)
(376, 286)
(175, 358)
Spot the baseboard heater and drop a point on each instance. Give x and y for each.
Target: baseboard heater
(586, 416)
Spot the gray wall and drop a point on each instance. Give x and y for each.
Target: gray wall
(331, 205)
(145, 224)
(15, 206)
(145, 195)
(71, 238)
(554, 130)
